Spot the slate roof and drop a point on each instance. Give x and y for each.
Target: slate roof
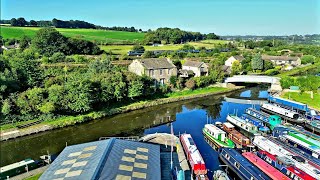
(282, 58)
(157, 63)
(107, 159)
(238, 57)
(193, 63)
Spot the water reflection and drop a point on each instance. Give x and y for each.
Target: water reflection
(188, 116)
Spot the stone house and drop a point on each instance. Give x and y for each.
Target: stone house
(232, 59)
(199, 68)
(160, 69)
(282, 60)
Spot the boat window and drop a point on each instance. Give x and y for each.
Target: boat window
(191, 141)
(227, 156)
(237, 165)
(252, 178)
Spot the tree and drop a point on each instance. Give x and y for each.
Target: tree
(135, 89)
(57, 57)
(236, 68)
(14, 22)
(33, 23)
(212, 36)
(48, 41)
(138, 48)
(148, 54)
(257, 62)
(24, 42)
(307, 59)
(190, 84)
(267, 65)
(6, 107)
(187, 47)
(21, 22)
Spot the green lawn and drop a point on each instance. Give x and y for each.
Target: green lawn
(35, 177)
(304, 98)
(299, 70)
(87, 34)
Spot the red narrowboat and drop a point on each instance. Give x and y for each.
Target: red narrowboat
(193, 155)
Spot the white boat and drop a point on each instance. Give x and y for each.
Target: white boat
(242, 124)
(269, 146)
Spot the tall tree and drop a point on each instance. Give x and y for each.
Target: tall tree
(14, 22)
(257, 62)
(21, 22)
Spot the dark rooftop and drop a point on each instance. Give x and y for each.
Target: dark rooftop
(193, 63)
(157, 63)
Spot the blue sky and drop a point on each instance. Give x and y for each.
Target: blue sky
(223, 17)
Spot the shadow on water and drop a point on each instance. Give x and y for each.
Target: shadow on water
(188, 116)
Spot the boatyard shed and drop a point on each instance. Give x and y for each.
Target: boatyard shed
(107, 159)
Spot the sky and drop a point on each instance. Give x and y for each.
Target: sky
(223, 17)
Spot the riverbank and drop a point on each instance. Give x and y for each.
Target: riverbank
(72, 120)
(304, 98)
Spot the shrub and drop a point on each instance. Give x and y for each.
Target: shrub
(272, 72)
(190, 84)
(57, 57)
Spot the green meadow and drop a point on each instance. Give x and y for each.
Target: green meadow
(99, 36)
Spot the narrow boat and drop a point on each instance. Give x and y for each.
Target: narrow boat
(264, 144)
(285, 166)
(271, 120)
(297, 152)
(286, 114)
(313, 125)
(260, 124)
(216, 137)
(304, 143)
(269, 170)
(301, 130)
(236, 136)
(242, 124)
(194, 157)
(288, 103)
(17, 168)
(240, 165)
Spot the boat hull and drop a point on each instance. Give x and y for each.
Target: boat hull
(313, 129)
(215, 143)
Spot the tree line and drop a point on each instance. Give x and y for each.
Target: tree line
(21, 22)
(175, 36)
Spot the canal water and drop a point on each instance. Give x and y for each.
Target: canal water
(187, 116)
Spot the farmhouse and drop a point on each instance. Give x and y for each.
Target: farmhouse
(199, 68)
(283, 60)
(232, 59)
(160, 69)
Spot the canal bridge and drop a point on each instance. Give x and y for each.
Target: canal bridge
(244, 101)
(274, 81)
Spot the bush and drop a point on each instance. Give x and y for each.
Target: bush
(190, 84)
(307, 59)
(138, 48)
(272, 72)
(173, 81)
(57, 57)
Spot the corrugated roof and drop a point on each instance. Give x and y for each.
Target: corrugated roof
(283, 58)
(108, 159)
(239, 57)
(157, 63)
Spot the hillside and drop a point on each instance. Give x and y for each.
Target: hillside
(103, 36)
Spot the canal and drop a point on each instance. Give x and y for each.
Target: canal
(187, 116)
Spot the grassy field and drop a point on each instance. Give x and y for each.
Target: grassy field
(123, 49)
(205, 90)
(299, 70)
(304, 98)
(87, 34)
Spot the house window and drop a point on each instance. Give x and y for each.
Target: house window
(162, 81)
(160, 71)
(151, 72)
(168, 71)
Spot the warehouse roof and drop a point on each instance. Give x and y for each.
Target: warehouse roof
(107, 159)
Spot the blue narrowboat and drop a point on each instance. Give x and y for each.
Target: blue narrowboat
(271, 120)
(259, 124)
(240, 165)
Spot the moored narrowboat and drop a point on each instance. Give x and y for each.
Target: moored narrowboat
(285, 114)
(271, 120)
(284, 165)
(260, 124)
(17, 168)
(240, 165)
(242, 124)
(269, 170)
(236, 136)
(313, 126)
(216, 136)
(194, 157)
(264, 144)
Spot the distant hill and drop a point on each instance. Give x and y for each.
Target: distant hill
(96, 35)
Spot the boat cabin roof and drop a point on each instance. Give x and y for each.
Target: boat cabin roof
(192, 148)
(214, 129)
(15, 165)
(228, 125)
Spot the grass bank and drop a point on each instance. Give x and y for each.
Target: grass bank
(300, 70)
(304, 98)
(72, 120)
(35, 177)
(104, 36)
